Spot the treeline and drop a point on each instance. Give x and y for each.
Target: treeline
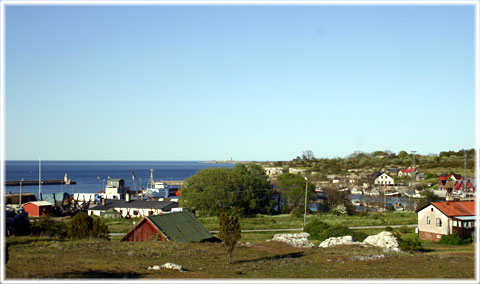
(358, 159)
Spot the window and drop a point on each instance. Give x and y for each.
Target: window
(439, 222)
(455, 223)
(431, 209)
(428, 220)
(135, 212)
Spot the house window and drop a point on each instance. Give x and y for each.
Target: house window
(431, 209)
(135, 212)
(455, 223)
(439, 222)
(428, 220)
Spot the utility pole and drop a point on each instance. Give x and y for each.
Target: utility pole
(413, 154)
(305, 214)
(39, 176)
(465, 165)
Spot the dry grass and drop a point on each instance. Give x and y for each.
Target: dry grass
(50, 258)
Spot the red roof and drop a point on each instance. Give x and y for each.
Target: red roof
(444, 177)
(456, 208)
(408, 170)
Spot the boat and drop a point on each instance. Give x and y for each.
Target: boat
(355, 191)
(392, 193)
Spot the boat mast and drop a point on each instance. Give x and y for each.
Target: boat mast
(151, 178)
(39, 176)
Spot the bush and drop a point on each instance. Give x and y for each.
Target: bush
(408, 243)
(403, 229)
(389, 229)
(454, 239)
(315, 228)
(359, 236)
(83, 226)
(45, 226)
(335, 231)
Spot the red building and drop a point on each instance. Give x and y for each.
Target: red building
(38, 208)
(178, 226)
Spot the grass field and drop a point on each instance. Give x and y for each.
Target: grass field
(51, 258)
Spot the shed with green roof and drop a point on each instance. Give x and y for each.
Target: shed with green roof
(178, 226)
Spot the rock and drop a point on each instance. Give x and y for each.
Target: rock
(330, 242)
(383, 240)
(299, 240)
(170, 265)
(368, 257)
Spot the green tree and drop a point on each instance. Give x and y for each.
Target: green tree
(403, 154)
(256, 188)
(83, 226)
(292, 192)
(212, 190)
(229, 232)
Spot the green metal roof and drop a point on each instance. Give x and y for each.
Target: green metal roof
(180, 226)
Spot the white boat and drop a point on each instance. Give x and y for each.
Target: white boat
(392, 193)
(356, 191)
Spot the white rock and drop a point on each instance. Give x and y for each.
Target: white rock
(155, 267)
(383, 240)
(330, 242)
(297, 240)
(170, 265)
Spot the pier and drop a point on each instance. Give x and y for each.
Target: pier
(35, 182)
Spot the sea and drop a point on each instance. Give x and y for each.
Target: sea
(92, 176)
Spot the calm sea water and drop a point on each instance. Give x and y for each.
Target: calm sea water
(92, 176)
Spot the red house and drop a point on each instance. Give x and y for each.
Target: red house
(177, 226)
(38, 208)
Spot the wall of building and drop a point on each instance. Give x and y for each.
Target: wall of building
(433, 213)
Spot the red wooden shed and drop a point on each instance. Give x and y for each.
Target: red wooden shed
(38, 208)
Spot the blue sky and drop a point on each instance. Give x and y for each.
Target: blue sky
(248, 82)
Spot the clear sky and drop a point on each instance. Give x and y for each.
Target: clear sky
(248, 82)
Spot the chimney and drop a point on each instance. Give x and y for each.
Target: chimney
(103, 201)
(127, 197)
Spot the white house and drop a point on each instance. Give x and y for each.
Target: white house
(383, 179)
(115, 189)
(444, 218)
(133, 208)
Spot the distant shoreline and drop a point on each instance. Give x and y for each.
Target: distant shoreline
(224, 162)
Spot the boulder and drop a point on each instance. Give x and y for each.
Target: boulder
(383, 240)
(299, 240)
(331, 242)
(168, 265)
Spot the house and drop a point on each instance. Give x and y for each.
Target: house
(132, 208)
(467, 185)
(446, 185)
(14, 198)
(444, 177)
(393, 171)
(407, 172)
(179, 226)
(456, 177)
(420, 177)
(379, 178)
(38, 208)
(115, 189)
(444, 218)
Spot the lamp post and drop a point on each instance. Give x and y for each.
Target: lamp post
(305, 214)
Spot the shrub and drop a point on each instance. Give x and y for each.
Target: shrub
(315, 228)
(335, 231)
(454, 239)
(229, 232)
(45, 226)
(389, 229)
(359, 236)
(408, 243)
(83, 226)
(403, 229)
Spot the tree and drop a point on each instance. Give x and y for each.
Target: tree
(212, 190)
(229, 232)
(403, 155)
(308, 155)
(83, 226)
(256, 188)
(292, 192)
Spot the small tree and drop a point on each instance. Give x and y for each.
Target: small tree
(83, 226)
(229, 232)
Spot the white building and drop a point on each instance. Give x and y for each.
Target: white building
(133, 208)
(444, 218)
(383, 179)
(115, 189)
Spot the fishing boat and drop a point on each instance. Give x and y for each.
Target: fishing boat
(392, 193)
